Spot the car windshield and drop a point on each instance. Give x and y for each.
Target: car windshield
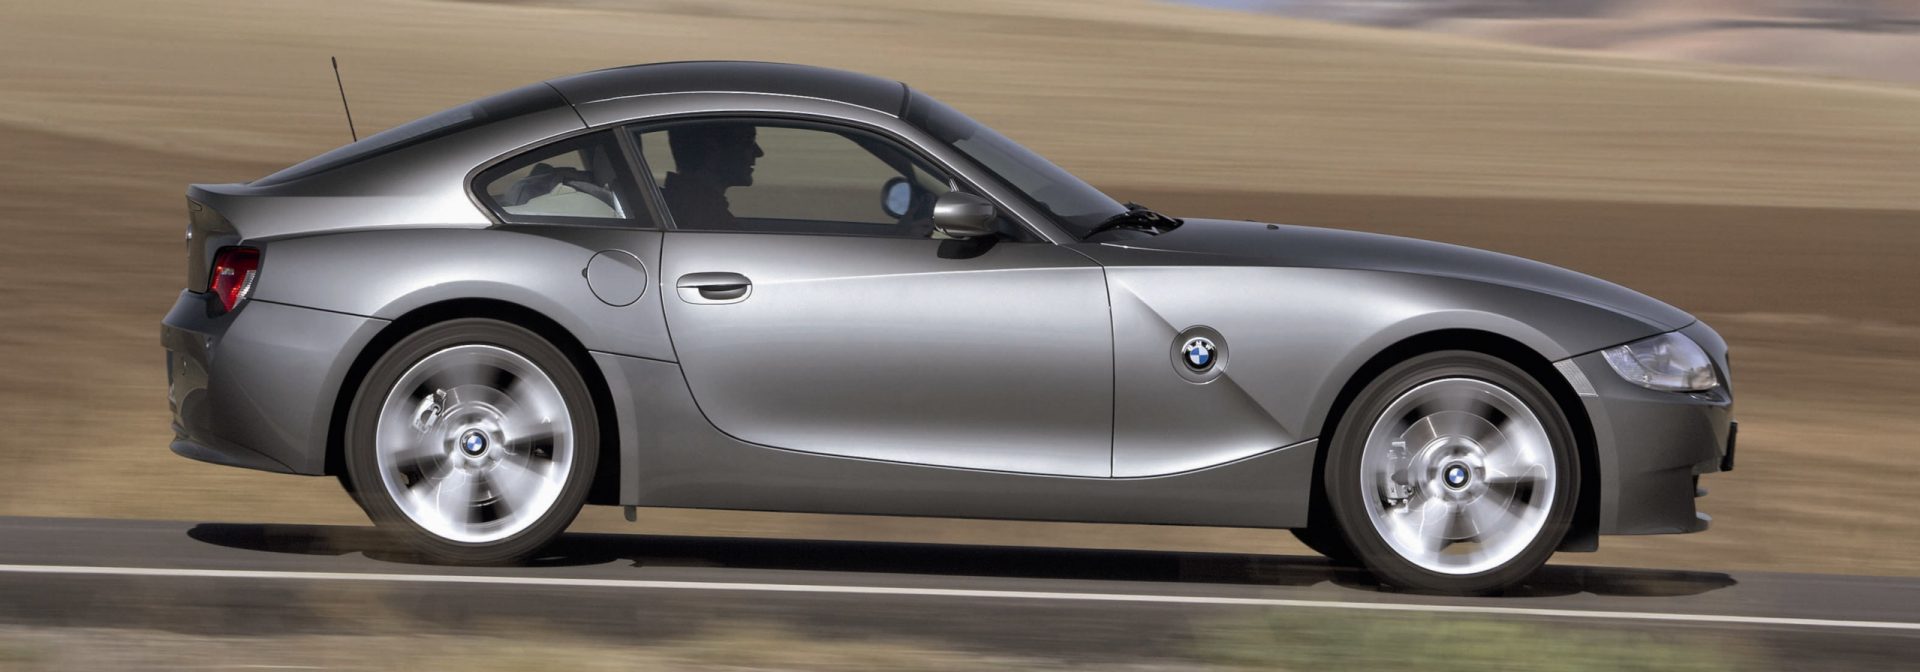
(1074, 204)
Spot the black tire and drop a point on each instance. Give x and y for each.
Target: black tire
(1343, 480)
(363, 479)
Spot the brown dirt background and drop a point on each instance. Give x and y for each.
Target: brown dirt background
(1861, 39)
(1783, 208)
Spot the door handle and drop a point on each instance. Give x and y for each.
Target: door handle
(714, 287)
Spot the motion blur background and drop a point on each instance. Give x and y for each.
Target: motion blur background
(1755, 162)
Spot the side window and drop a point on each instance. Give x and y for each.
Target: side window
(583, 179)
(791, 177)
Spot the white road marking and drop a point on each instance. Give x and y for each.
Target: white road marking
(954, 592)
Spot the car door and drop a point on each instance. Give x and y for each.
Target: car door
(812, 308)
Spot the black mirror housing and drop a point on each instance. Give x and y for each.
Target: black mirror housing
(962, 215)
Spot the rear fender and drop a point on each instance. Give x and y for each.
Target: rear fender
(387, 274)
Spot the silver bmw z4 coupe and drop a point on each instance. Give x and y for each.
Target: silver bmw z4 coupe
(782, 288)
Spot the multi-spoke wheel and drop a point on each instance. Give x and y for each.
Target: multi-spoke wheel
(473, 439)
(1453, 472)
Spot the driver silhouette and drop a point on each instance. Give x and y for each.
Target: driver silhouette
(710, 159)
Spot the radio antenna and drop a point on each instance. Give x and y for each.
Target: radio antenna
(343, 98)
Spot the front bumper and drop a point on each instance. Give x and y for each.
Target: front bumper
(1653, 446)
(256, 387)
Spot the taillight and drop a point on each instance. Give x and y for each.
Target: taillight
(235, 269)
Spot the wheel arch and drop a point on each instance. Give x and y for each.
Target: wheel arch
(1583, 535)
(605, 488)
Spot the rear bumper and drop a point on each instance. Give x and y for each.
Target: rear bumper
(255, 387)
(1653, 446)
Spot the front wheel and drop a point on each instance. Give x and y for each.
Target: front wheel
(474, 441)
(1453, 472)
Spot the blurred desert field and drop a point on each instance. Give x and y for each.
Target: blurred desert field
(1865, 39)
(1783, 208)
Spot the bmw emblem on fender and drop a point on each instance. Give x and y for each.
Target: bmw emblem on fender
(1199, 353)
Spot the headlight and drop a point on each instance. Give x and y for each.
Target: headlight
(1669, 362)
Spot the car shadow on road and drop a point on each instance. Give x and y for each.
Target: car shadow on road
(573, 550)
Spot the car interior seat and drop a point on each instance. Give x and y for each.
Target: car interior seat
(563, 191)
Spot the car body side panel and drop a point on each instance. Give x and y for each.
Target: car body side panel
(680, 460)
(1295, 337)
(386, 274)
(884, 348)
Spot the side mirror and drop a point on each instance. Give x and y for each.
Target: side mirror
(962, 215)
(896, 197)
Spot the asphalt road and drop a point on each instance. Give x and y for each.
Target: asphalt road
(241, 579)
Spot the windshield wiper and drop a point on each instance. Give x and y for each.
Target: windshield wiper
(1140, 218)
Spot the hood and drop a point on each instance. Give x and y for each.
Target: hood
(1310, 247)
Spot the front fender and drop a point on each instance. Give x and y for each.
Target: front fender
(1553, 327)
(1295, 338)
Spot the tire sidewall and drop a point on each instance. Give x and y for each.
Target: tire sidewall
(1347, 496)
(370, 491)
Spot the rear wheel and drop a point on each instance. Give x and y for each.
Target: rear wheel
(474, 441)
(1453, 472)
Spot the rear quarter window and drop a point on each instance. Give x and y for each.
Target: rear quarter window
(580, 180)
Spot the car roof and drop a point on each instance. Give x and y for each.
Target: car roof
(867, 91)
